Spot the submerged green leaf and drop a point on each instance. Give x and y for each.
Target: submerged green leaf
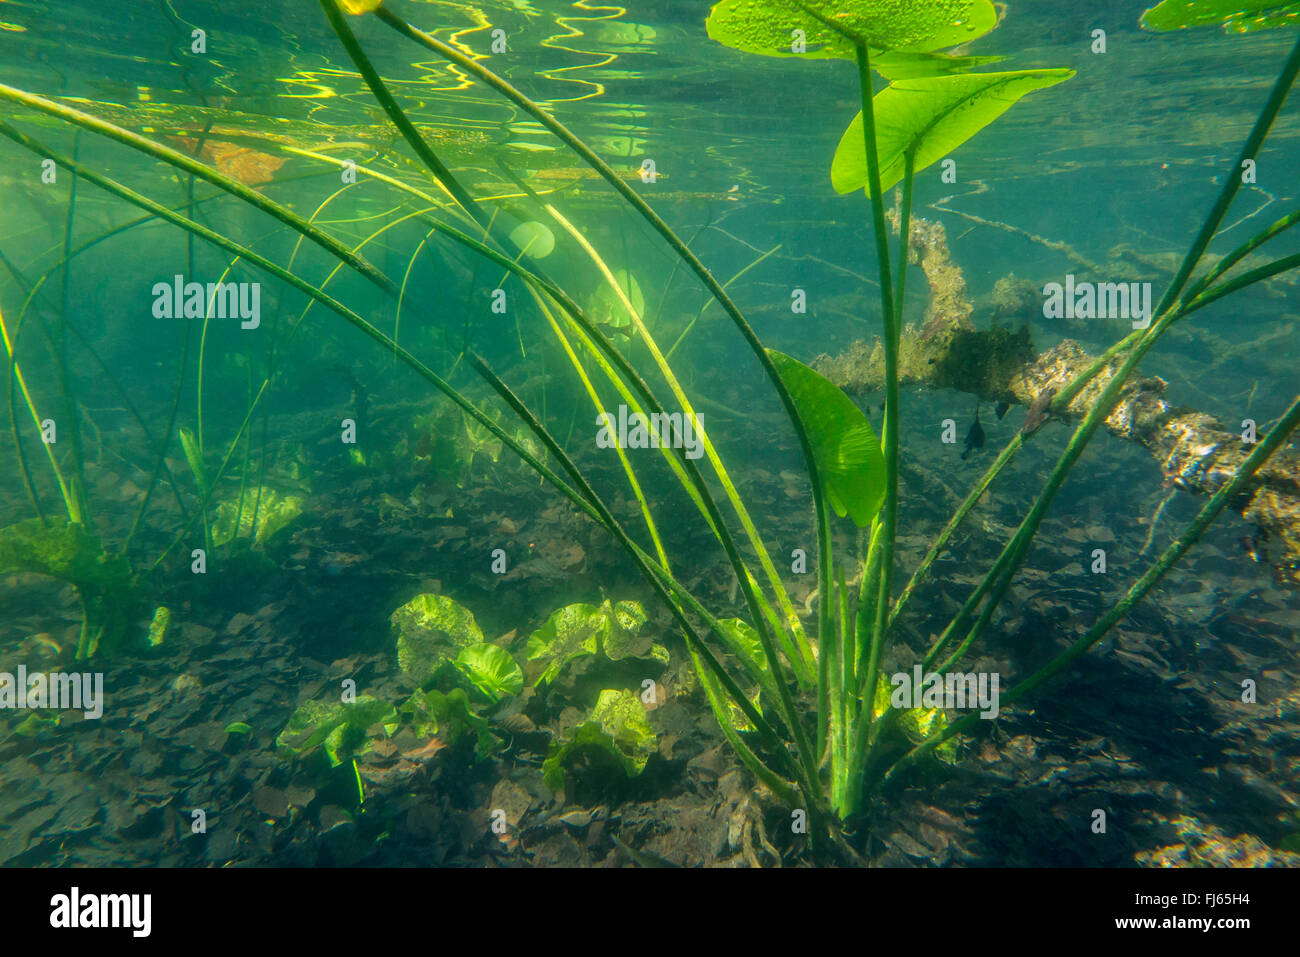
(844, 445)
(930, 117)
(617, 726)
(68, 552)
(576, 630)
(491, 670)
(158, 627)
(894, 65)
(769, 27)
(916, 724)
(534, 239)
(432, 629)
(1236, 16)
(275, 512)
(190, 446)
(341, 728)
(455, 720)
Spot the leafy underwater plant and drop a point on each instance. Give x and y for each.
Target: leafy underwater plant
(812, 726)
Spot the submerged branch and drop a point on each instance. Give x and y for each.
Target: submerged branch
(1196, 451)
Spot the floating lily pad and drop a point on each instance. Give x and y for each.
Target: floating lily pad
(617, 727)
(431, 630)
(1236, 16)
(768, 27)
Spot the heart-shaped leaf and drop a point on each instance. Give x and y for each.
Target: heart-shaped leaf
(930, 117)
(844, 445)
(800, 27)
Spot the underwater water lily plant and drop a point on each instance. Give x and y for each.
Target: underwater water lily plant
(800, 704)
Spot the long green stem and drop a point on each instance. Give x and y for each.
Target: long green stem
(1240, 253)
(1189, 537)
(476, 69)
(1233, 178)
(17, 373)
(399, 119)
(180, 161)
(890, 312)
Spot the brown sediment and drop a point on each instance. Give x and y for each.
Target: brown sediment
(1196, 452)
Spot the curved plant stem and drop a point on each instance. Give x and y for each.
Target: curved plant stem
(486, 76)
(800, 657)
(180, 161)
(1241, 282)
(1232, 179)
(807, 775)
(700, 315)
(1240, 253)
(441, 174)
(1060, 403)
(1176, 550)
(67, 400)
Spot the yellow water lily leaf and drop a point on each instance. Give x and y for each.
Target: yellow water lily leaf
(358, 7)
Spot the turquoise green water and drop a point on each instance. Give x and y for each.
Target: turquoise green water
(246, 499)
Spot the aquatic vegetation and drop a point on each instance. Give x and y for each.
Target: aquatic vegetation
(616, 727)
(577, 630)
(491, 670)
(69, 552)
(432, 630)
(267, 513)
(803, 704)
(452, 717)
(1235, 17)
(340, 729)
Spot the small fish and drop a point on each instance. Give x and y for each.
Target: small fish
(1255, 545)
(610, 329)
(642, 858)
(1039, 412)
(975, 436)
(1001, 409)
